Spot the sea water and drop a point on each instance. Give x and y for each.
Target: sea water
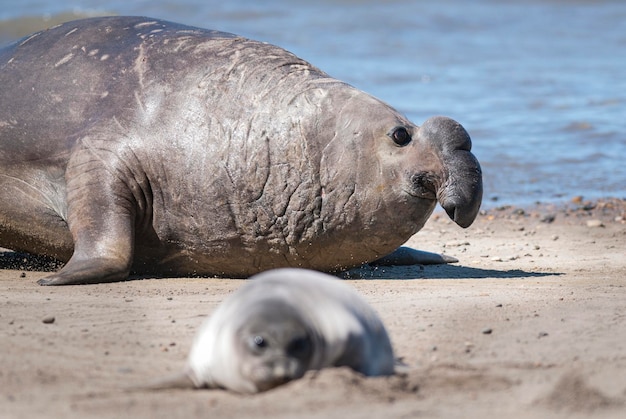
(539, 85)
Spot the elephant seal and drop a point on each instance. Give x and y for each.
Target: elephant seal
(130, 144)
(279, 325)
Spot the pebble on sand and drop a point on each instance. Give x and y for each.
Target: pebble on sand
(48, 319)
(594, 223)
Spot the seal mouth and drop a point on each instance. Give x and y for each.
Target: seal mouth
(275, 373)
(423, 185)
(456, 216)
(459, 198)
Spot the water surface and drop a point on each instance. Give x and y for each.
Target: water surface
(539, 85)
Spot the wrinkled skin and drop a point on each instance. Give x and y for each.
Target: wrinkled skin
(137, 144)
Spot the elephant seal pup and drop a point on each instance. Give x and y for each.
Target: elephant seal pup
(279, 325)
(130, 144)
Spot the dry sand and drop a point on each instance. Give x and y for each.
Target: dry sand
(530, 323)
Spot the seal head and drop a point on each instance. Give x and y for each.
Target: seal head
(277, 345)
(271, 345)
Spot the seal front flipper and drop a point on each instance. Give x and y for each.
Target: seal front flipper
(91, 271)
(101, 217)
(408, 256)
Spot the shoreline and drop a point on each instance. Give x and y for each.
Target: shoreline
(609, 209)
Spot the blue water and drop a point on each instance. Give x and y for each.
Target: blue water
(539, 85)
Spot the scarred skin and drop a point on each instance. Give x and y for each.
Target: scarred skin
(129, 143)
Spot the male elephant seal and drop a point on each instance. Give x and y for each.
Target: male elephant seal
(281, 324)
(134, 144)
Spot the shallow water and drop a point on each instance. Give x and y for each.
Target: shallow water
(539, 85)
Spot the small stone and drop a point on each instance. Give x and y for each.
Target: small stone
(499, 305)
(23, 275)
(496, 259)
(594, 223)
(48, 319)
(543, 334)
(548, 218)
(555, 237)
(589, 206)
(456, 244)
(487, 331)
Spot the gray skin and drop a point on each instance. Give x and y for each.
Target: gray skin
(133, 144)
(280, 324)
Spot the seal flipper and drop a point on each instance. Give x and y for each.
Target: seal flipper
(408, 256)
(91, 271)
(101, 218)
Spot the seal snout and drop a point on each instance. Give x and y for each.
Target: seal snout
(461, 193)
(462, 210)
(277, 372)
(446, 133)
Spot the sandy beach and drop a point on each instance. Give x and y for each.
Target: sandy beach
(531, 322)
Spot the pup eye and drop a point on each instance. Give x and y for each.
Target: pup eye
(259, 342)
(400, 136)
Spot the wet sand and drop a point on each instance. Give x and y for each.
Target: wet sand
(531, 322)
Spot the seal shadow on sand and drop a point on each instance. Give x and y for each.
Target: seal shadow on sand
(27, 262)
(444, 271)
(19, 261)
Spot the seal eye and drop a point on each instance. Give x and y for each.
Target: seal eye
(400, 136)
(259, 342)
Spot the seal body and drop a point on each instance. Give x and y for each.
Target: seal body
(283, 323)
(130, 143)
